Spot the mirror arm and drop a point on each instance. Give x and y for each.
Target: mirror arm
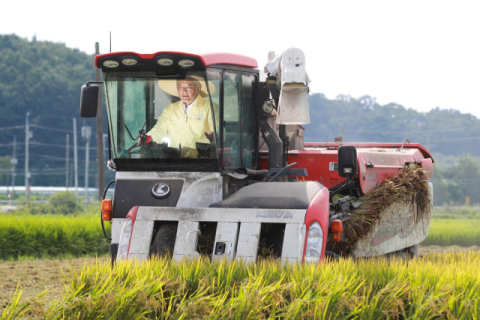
(94, 82)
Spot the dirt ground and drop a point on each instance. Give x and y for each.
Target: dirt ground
(35, 276)
(436, 249)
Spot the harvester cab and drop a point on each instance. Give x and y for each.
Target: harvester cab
(210, 160)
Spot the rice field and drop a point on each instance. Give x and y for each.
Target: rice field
(41, 236)
(448, 232)
(47, 236)
(433, 287)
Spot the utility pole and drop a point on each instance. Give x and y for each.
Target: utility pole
(86, 132)
(100, 157)
(67, 167)
(14, 162)
(339, 138)
(105, 142)
(27, 137)
(75, 156)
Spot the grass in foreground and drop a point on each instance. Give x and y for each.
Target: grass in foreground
(437, 286)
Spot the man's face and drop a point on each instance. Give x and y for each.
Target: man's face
(187, 90)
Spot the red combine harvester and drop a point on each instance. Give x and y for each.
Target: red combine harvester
(210, 160)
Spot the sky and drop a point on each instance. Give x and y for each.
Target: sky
(420, 54)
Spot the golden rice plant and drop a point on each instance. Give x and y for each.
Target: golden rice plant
(434, 287)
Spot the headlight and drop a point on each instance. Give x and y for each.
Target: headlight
(129, 62)
(186, 63)
(314, 243)
(111, 64)
(124, 242)
(267, 107)
(165, 62)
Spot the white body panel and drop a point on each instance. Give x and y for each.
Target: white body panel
(117, 224)
(235, 227)
(186, 240)
(292, 66)
(293, 242)
(222, 215)
(141, 239)
(248, 241)
(400, 219)
(292, 81)
(227, 233)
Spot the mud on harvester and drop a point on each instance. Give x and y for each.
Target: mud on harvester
(239, 182)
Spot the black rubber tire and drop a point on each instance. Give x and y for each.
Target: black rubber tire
(413, 252)
(405, 254)
(164, 240)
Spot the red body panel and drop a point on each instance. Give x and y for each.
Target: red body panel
(422, 149)
(208, 59)
(132, 214)
(371, 178)
(427, 165)
(321, 163)
(316, 162)
(318, 210)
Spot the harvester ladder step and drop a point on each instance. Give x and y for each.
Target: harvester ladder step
(292, 250)
(186, 240)
(227, 233)
(248, 241)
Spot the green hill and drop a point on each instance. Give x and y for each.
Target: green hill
(448, 132)
(44, 78)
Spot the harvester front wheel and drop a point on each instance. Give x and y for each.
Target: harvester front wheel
(164, 240)
(405, 254)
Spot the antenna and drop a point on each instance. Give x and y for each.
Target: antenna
(110, 41)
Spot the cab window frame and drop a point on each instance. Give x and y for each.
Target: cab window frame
(255, 94)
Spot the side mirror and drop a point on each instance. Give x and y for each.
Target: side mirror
(89, 101)
(347, 161)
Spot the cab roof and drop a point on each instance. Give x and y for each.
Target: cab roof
(207, 59)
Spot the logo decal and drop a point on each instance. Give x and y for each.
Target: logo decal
(161, 190)
(273, 214)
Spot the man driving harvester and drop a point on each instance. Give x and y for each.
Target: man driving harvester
(187, 121)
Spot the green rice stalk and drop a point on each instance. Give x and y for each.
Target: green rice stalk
(51, 236)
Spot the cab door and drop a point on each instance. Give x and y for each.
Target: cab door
(240, 133)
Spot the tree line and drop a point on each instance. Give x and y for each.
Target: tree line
(44, 79)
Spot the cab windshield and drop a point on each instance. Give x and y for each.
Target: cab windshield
(163, 117)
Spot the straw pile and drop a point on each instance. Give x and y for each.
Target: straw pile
(409, 185)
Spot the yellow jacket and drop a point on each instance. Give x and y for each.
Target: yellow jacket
(174, 124)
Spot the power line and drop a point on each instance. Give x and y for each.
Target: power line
(11, 144)
(52, 129)
(411, 131)
(14, 127)
(60, 146)
(51, 157)
(456, 139)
